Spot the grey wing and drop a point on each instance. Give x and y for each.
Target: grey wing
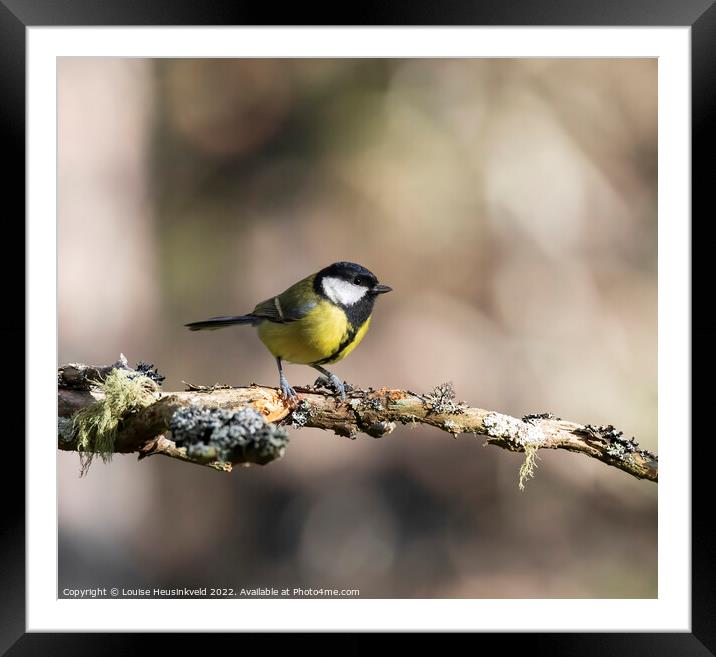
(275, 311)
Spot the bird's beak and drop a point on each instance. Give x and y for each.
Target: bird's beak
(380, 289)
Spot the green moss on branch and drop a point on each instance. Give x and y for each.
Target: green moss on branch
(94, 428)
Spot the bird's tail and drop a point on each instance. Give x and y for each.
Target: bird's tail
(214, 323)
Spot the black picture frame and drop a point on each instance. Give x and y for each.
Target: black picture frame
(699, 15)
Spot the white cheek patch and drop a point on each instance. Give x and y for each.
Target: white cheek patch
(342, 292)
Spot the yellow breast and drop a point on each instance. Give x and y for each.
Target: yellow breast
(360, 333)
(311, 339)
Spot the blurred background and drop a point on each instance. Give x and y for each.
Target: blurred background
(512, 206)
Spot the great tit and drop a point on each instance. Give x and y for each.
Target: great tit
(317, 321)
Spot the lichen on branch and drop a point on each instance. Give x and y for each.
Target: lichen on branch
(125, 411)
(241, 436)
(94, 428)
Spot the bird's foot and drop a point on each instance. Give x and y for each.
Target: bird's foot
(333, 383)
(287, 392)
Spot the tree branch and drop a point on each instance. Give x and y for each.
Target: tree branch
(212, 426)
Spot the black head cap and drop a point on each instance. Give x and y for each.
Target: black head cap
(348, 271)
(361, 287)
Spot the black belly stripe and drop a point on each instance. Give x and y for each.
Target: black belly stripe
(345, 343)
(357, 315)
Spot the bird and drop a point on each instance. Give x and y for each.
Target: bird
(317, 321)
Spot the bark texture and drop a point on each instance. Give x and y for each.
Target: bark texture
(153, 429)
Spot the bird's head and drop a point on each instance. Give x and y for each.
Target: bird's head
(346, 284)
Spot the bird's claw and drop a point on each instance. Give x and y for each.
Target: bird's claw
(287, 392)
(333, 383)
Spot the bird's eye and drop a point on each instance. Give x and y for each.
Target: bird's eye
(358, 280)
